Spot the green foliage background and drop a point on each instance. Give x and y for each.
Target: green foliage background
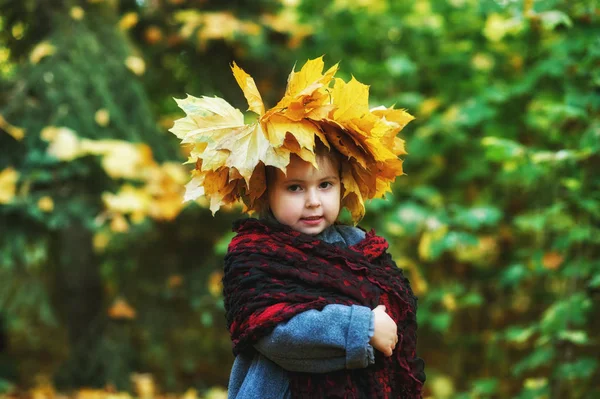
(497, 221)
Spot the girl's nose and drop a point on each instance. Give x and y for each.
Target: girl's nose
(312, 199)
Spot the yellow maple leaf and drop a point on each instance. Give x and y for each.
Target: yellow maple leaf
(307, 86)
(338, 137)
(194, 188)
(217, 186)
(205, 116)
(227, 143)
(309, 78)
(258, 184)
(366, 180)
(352, 197)
(377, 148)
(393, 119)
(304, 131)
(351, 99)
(250, 90)
(247, 147)
(398, 147)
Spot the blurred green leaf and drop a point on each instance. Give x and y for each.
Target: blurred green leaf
(477, 217)
(471, 299)
(487, 386)
(554, 18)
(6, 386)
(538, 357)
(576, 337)
(579, 369)
(400, 65)
(519, 334)
(206, 319)
(566, 313)
(410, 216)
(595, 281)
(500, 150)
(440, 321)
(513, 275)
(223, 243)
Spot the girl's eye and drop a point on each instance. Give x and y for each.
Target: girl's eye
(294, 187)
(325, 184)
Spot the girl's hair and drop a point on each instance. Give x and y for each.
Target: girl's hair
(261, 206)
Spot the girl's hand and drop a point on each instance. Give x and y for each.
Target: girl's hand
(385, 337)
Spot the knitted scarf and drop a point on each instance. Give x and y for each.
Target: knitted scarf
(273, 273)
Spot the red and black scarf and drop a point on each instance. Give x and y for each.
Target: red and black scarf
(273, 273)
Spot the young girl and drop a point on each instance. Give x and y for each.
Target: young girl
(315, 309)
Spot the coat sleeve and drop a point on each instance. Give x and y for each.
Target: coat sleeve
(334, 338)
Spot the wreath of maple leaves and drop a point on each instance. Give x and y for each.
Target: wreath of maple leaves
(230, 156)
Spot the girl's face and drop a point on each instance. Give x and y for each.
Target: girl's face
(307, 199)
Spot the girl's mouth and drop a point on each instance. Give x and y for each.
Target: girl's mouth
(313, 220)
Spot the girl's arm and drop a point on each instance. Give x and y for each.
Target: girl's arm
(334, 338)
